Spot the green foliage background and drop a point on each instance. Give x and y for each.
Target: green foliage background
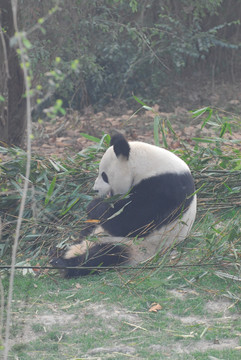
(128, 46)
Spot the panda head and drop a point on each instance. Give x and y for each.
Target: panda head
(115, 176)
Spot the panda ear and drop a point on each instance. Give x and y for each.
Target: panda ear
(120, 145)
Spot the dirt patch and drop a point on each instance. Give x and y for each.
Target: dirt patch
(110, 315)
(62, 135)
(121, 349)
(45, 321)
(203, 345)
(114, 313)
(60, 319)
(219, 306)
(204, 320)
(182, 294)
(200, 346)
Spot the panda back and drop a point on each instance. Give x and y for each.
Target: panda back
(147, 160)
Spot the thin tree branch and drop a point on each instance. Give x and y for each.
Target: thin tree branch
(26, 182)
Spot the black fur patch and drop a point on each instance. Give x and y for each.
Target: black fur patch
(98, 255)
(120, 145)
(152, 203)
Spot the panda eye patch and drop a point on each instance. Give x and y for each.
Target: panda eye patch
(105, 177)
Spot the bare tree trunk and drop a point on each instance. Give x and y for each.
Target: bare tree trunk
(12, 124)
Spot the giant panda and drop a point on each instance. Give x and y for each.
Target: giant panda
(146, 203)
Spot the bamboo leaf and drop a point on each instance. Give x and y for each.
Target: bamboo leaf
(50, 191)
(147, 108)
(200, 112)
(156, 130)
(139, 101)
(118, 212)
(169, 125)
(164, 136)
(210, 112)
(54, 165)
(71, 204)
(204, 140)
(91, 138)
(223, 130)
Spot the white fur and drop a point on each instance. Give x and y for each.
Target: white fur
(144, 159)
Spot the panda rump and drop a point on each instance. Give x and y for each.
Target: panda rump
(154, 207)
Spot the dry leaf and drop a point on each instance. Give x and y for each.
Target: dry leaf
(155, 307)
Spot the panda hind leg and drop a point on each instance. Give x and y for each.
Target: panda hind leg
(89, 258)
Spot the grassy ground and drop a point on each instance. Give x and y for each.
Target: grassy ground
(107, 316)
